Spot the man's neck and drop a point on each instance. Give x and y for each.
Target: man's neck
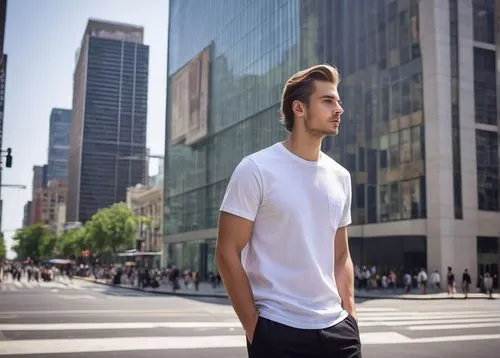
(304, 146)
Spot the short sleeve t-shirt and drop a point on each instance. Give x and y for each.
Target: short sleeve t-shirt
(296, 206)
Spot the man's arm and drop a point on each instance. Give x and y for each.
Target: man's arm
(233, 234)
(344, 271)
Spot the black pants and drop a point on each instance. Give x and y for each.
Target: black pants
(275, 340)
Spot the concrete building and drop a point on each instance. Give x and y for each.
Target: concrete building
(58, 153)
(3, 80)
(419, 134)
(37, 183)
(27, 213)
(148, 201)
(51, 201)
(109, 117)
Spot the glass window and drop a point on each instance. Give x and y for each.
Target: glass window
(487, 170)
(483, 19)
(485, 96)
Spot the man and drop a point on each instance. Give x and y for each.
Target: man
(282, 246)
(466, 282)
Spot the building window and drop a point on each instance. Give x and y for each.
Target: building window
(455, 122)
(487, 170)
(485, 94)
(483, 19)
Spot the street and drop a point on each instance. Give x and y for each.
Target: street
(82, 319)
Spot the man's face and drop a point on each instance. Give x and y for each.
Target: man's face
(322, 116)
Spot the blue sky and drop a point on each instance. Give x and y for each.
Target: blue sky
(41, 38)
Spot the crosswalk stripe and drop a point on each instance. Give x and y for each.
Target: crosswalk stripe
(453, 326)
(118, 325)
(55, 346)
(362, 323)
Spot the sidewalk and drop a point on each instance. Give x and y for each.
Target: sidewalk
(206, 290)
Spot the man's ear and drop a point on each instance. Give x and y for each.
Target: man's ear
(298, 108)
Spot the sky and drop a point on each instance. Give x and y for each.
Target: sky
(41, 38)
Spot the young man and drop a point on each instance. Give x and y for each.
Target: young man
(282, 247)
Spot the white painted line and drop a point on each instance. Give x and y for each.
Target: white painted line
(462, 338)
(436, 327)
(77, 297)
(376, 309)
(426, 317)
(100, 312)
(362, 323)
(383, 338)
(430, 314)
(118, 325)
(55, 346)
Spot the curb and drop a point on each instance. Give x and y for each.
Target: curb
(214, 295)
(164, 293)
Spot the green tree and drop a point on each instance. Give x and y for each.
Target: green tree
(73, 242)
(3, 247)
(48, 246)
(29, 241)
(113, 229)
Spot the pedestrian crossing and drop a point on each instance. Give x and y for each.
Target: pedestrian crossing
(378, 326)
(10, 285)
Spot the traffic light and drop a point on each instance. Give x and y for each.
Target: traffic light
(8, 158)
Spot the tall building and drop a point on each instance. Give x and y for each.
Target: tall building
(60, 124)
(109, 113)
(419, 134)
(3, 75)
(50, 200)
(36, 184)
(27, 213)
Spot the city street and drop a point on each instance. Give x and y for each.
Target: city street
(81, 319)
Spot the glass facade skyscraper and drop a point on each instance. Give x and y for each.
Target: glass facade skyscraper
(405, 135)
(60, 124)
(108, 119)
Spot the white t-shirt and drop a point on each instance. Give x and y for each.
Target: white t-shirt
(296, 206)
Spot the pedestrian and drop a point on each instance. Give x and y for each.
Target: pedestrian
(466, 281)
(282, 247)
(450, 281)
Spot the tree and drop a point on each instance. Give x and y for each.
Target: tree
(112, 229)
(73, 242)
(29, 241)
(47, 246)
(3, 248)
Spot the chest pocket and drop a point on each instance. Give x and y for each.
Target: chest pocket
(335, 206)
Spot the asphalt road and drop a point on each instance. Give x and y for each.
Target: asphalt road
(81, 319)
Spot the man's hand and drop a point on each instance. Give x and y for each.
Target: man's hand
(353, 314)
(250, 327)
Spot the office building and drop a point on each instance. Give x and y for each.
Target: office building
(108, 123)
(60, 124)
(147, 201)
(27, 213)
(3, 79)
(51, 200)
(419, 133)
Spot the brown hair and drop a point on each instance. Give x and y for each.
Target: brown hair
(300, 87)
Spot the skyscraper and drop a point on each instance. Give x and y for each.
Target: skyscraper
(419, 133)
(3, 75)
(109, 113)
(60, 124)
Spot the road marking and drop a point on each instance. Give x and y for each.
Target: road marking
(77, 297)
(362, 322)
(453, 326)
(376, 309)
(99, 312)
(55, 346)
(118, 325)
(462, 338)
(388, 315)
